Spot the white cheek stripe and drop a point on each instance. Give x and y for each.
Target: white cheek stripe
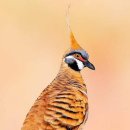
(79, 63)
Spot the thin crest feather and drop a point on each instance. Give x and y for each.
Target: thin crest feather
(68, 17)
(74, 44)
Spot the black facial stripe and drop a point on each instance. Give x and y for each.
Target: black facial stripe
(71, 53)
(74, 66)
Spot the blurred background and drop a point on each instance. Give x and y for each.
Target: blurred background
(33, 38)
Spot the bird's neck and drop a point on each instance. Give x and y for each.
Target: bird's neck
(69, 74)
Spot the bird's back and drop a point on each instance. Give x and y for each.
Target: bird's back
(63, 105)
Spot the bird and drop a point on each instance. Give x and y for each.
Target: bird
(63, 104)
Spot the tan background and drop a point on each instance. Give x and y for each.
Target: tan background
(33, 38)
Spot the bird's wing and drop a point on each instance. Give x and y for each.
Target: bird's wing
(66, 110)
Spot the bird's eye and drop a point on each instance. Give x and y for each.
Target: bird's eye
(77, 55)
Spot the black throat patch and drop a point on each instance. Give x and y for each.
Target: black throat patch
(74, 66)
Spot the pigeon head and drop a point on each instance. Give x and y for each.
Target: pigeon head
(77, 58)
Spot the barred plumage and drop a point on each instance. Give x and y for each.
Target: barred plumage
(60, 106)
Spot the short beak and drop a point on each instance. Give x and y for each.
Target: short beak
(89, 65)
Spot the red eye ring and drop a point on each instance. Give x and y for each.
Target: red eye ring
(79, 57)
(82, 59)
